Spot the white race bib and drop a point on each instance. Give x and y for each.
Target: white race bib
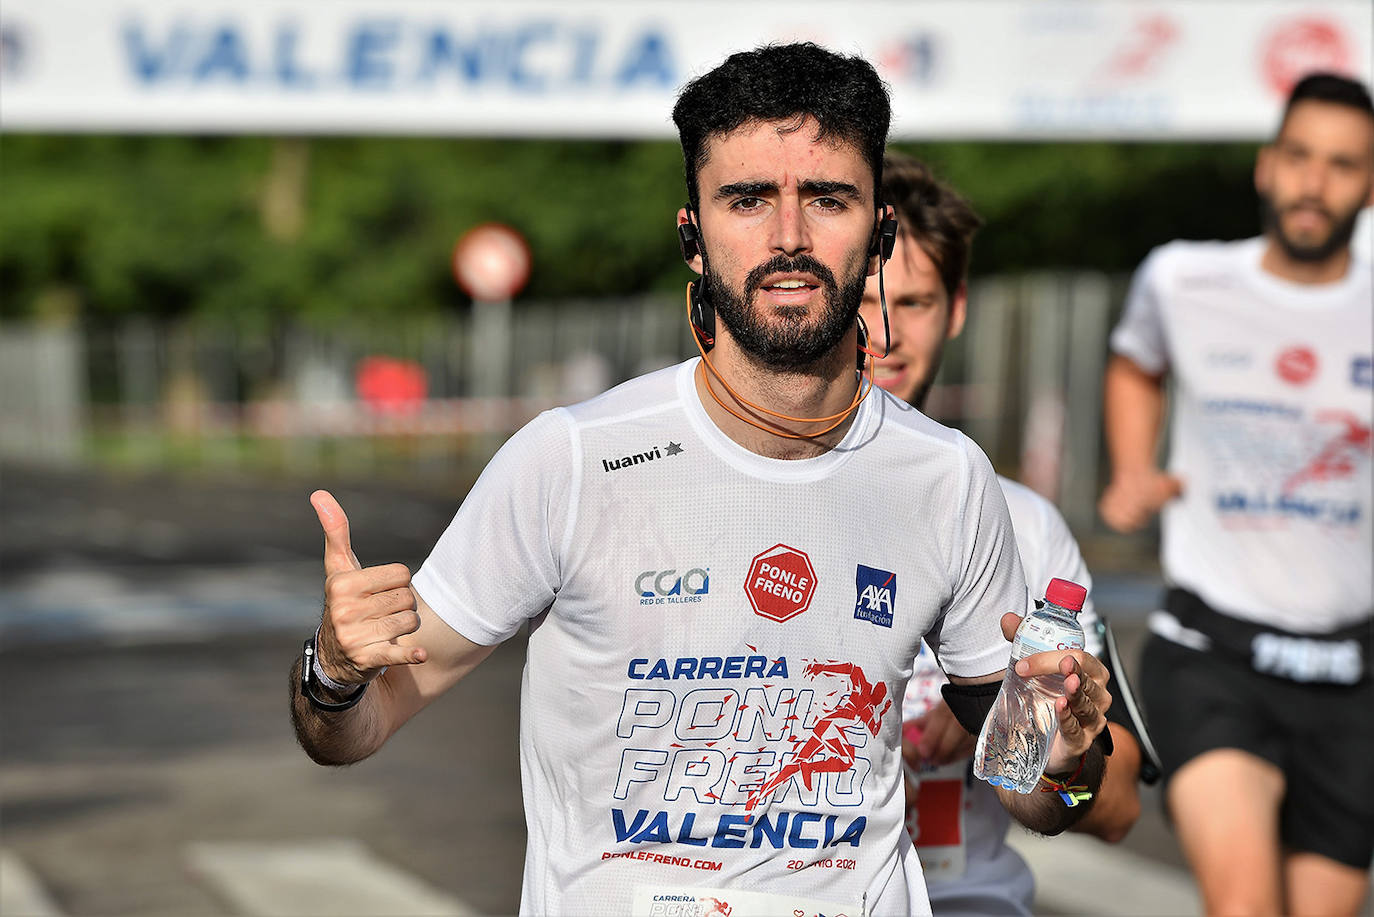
(657, 901)
(936, 822)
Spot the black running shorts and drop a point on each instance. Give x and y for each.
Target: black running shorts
(1320, 735)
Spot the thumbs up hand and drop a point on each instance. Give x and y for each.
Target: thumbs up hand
(366, 609)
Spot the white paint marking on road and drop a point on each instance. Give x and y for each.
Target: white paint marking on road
(336, 877)
(1075, 874)
(21, 893)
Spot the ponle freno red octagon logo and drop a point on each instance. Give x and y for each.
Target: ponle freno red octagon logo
(1296, 365)
(781, 583)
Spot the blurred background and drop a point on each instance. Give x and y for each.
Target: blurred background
(230, 273)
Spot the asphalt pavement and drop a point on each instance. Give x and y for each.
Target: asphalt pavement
(147, 766)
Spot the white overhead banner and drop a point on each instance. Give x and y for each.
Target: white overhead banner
(1011, 69)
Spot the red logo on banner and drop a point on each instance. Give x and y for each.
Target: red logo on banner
(1149, 40)
(1297, 47)
(1296, 365)
(391, 386)
(781, 583)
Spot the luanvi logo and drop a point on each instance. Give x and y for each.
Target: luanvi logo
(640, 457)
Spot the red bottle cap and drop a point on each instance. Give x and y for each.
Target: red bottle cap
(1065, 594)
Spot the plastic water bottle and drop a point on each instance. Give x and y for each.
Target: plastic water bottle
(1014, 746)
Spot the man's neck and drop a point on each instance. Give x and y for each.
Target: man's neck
(1278, 262)
(822, 390)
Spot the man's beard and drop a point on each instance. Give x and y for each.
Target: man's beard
(793, 343)
(1342, 228)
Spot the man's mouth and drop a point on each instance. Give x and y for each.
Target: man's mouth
(1309, 217)
(791, 286)
(888, 376)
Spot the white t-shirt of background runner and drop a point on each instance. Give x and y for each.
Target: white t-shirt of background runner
(961, 826)
(710, 713)
(1273, 395)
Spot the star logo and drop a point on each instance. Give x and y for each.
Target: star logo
(673, 449)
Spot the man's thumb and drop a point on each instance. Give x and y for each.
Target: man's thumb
(1169, 488)
(338, 550)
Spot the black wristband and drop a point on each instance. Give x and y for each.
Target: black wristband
(308, 682)
(971, 704)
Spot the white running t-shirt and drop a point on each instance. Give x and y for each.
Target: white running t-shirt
(1273, 395)
(959, 823)
(710, 714)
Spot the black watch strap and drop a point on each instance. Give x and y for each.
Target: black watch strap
(309, 682)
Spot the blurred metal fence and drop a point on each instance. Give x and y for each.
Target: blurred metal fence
(430, 398)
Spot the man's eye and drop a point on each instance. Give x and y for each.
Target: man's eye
(829, 203)
(748, 203)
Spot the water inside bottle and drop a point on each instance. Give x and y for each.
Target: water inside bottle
(1014, 744)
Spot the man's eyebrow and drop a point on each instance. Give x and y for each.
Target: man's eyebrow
(830, 189)
(745, 189)
(810, 186)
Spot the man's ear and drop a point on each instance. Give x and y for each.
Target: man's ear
(958, 312)
(689, 239)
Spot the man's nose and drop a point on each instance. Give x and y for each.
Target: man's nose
(1314, 179)
(791, 235)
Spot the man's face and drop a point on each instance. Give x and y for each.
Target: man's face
(1315, 178)
(921, 317)
(787, 222)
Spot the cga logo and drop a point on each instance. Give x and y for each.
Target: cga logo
(876, 595)
(660, 587)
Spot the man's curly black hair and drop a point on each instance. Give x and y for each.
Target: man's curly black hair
(843, 94)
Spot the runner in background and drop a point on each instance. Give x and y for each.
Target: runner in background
(956, 821)
(1256, 678)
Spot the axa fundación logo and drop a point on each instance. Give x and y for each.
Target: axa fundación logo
(1362, 372)
(876, 595)
(639, 458)
(669, 587)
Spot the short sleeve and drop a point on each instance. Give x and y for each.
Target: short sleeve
(498, 562)
(987, 578)
(1139, 335)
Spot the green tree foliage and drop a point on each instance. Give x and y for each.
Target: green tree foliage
(1096, 205)
(254, 228)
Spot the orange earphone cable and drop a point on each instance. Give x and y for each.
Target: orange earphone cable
(839, 418)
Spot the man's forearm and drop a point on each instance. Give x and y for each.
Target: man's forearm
(345, 737)
(1133, 402)
(1045, 812)
(1117, 804)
